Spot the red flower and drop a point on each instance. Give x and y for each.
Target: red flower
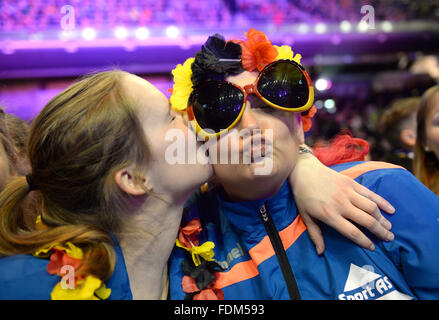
(306, 119)
(58, 259)
(188, 284)
(257, 51)
(188, 234)
(210, 293)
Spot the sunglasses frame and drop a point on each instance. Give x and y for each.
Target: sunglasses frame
(250, 89)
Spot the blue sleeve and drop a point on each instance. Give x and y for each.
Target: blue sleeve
(415, 224)
(24, 277)
(119, 282)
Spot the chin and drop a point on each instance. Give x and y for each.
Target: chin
(253, 187)
(253, 192)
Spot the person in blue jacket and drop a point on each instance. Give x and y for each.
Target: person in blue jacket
(247, 239)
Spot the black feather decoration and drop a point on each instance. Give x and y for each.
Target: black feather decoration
(216, 60)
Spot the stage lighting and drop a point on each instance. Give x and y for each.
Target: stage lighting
(172, 32)
(66, 35)
(345, 26)
(332, 110)
(142, 33)
(320, 27)
(121, 33)
(362, 26)
(89, 34)
(303, 28)
(323, 84)
(386, 26)
(318, 104)
(329, 105)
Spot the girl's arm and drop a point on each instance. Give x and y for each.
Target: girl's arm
(337, 200)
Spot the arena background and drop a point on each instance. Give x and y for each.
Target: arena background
(360, 54)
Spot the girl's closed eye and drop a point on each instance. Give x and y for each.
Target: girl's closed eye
(171, 117)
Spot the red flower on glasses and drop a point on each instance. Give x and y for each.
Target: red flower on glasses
(257, 51)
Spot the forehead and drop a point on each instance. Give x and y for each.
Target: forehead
(147, 97)
(243, 78)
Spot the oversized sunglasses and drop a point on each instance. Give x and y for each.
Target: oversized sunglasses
(217, 106)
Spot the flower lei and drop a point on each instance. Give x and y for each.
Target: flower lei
(199, 266)
(85, 287)
(218, 59)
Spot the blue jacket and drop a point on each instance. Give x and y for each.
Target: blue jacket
(25, 277)
(405, 268)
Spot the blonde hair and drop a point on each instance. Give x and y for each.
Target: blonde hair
(14, 133)
(18, 131)
(77, 143)
(6, 140)
(426, 164)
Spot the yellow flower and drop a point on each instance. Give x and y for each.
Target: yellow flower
(103, 292)
(39, 223)
(205, 251)
(285, 52)
(90, 289)
(182, 85)
(69, 248)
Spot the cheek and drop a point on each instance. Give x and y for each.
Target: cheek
(285, 149)
(284, 138)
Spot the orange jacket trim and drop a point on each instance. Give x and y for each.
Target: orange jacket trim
(264, 250)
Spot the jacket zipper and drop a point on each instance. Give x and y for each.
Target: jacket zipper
(279, 250)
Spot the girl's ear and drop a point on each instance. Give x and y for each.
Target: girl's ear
(127, 182)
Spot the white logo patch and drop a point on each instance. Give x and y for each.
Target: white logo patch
(364, 284)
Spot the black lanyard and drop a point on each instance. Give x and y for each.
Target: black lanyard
(281, 255)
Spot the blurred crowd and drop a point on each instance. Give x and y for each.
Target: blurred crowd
(401, 126)
(40, 15)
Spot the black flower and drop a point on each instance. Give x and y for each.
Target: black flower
(216, 60)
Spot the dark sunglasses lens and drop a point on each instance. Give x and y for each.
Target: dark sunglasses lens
(285, 85)
(217, 105)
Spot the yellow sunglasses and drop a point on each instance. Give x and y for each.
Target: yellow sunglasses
(215, 107)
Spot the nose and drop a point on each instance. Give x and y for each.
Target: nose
(249, 119)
